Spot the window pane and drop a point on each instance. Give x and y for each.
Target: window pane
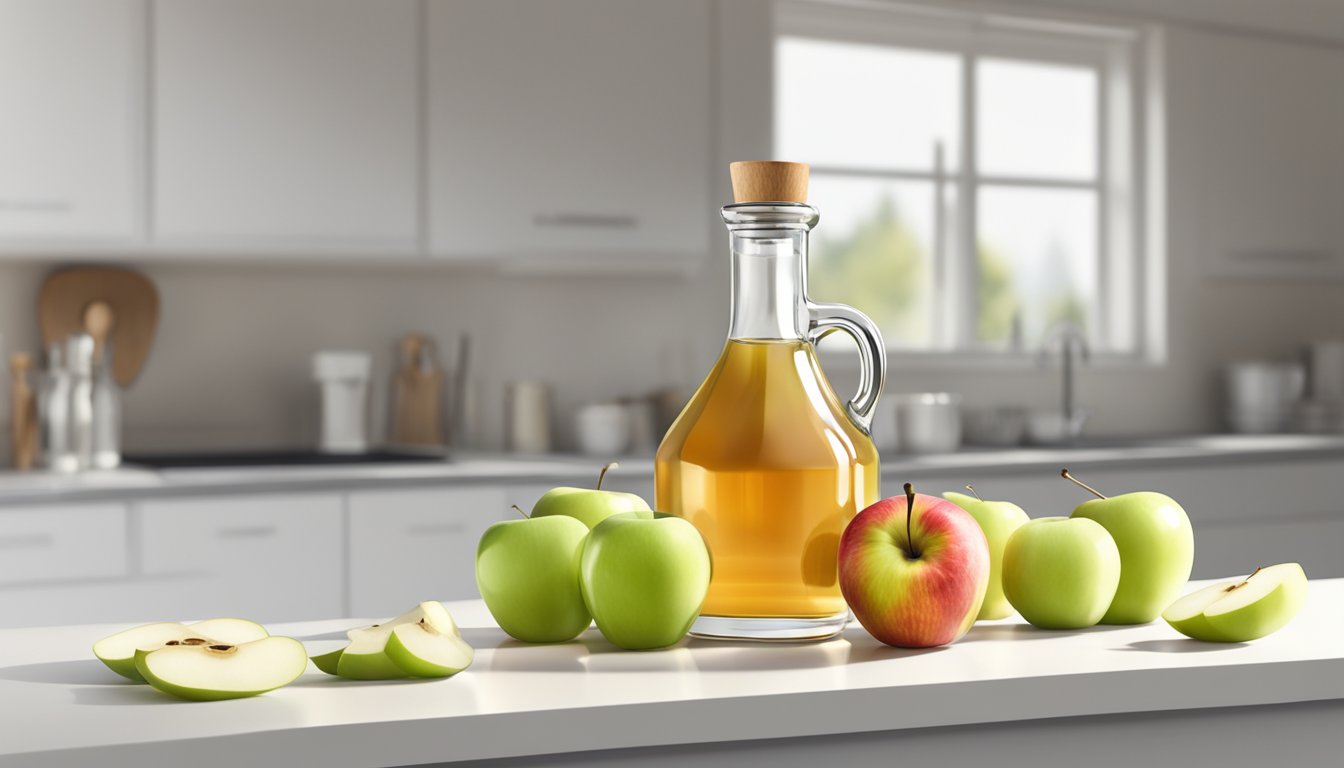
(1037, 120)
(1037, 263)
(865, 106)
(874, 249)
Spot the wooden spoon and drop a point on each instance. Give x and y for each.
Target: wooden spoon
(99, 320)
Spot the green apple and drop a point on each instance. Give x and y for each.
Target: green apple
(1060, 572)
(998, 520)
(644, 580)
(423, 642)
(118, 651)
(528, 574)
(590, 506)
(1237, 611)
(1157, 550)
(209, 671)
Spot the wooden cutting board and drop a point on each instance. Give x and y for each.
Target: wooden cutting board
(63, 308)
(417, 415)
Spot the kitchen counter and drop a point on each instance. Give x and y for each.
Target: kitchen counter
(139, 483)
(59, 706)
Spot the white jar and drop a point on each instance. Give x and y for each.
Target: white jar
(603, 429)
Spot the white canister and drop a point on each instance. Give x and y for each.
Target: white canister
(344, 378)
(1261, 395)
(928, 422)
(603, 429)
(529, 417)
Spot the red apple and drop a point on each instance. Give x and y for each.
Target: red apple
(914, 570)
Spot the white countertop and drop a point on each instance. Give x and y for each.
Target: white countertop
(59, 706)
(134, 483)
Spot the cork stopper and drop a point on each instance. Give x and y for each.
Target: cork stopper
(769, 181)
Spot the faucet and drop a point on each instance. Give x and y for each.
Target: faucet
(1071, 341)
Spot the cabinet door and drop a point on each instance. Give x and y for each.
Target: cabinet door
(1263, 127)
(71, 137)
(407, 546)
(286, 123)
(568, 128)
(267, 558)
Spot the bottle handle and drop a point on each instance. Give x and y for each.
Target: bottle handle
(824, 319)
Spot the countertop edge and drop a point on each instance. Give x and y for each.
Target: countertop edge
(717, 720)
(565, 469)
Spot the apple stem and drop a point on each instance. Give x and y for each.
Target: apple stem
(971, 488)
(603, 473)
(520, 510)
(1064, 473)
(910, 550)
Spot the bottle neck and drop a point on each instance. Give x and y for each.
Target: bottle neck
(769, 285)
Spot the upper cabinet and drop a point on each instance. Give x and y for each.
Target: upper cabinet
(569, 129)
(71, 119)
(553, 135)
(1261, 124)
(286, 124)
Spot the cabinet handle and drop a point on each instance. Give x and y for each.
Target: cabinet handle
(35, 206)
(245, 532)
(587, 220)
(1300, 256)
(27, 541)
(436, 529)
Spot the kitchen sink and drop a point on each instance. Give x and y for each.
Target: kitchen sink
(279, 458)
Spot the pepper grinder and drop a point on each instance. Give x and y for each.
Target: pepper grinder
(24, 409)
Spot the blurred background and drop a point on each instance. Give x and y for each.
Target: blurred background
(468, 249)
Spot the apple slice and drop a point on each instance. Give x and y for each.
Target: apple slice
(430, 647)
(367, 656)
(1234, 612)
(329, 662)
(118, 651)
(207, 671)
(364, 657)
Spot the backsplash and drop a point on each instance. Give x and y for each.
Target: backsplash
(231, 365)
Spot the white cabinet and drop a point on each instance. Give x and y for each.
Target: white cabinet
(62, 543)
(411, 545)
(1261, 122)
(266, 558)
(71, 119)
(565, 129)
(62, 563)
(286, 124)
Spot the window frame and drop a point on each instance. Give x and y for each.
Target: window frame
(1127, 326)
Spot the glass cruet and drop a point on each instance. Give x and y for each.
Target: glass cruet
(765, 460)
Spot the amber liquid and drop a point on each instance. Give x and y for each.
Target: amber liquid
(767, 465)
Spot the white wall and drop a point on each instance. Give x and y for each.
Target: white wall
(230, 367)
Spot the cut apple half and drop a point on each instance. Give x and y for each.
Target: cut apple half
(118, 651)
(210, 671)
(430, 647)
(1238, 611)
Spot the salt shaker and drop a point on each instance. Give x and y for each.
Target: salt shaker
(106, 413)
(53, 408)
(79, 361)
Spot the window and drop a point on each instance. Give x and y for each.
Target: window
(978, 176)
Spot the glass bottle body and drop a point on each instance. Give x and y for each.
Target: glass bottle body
(765, 460)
